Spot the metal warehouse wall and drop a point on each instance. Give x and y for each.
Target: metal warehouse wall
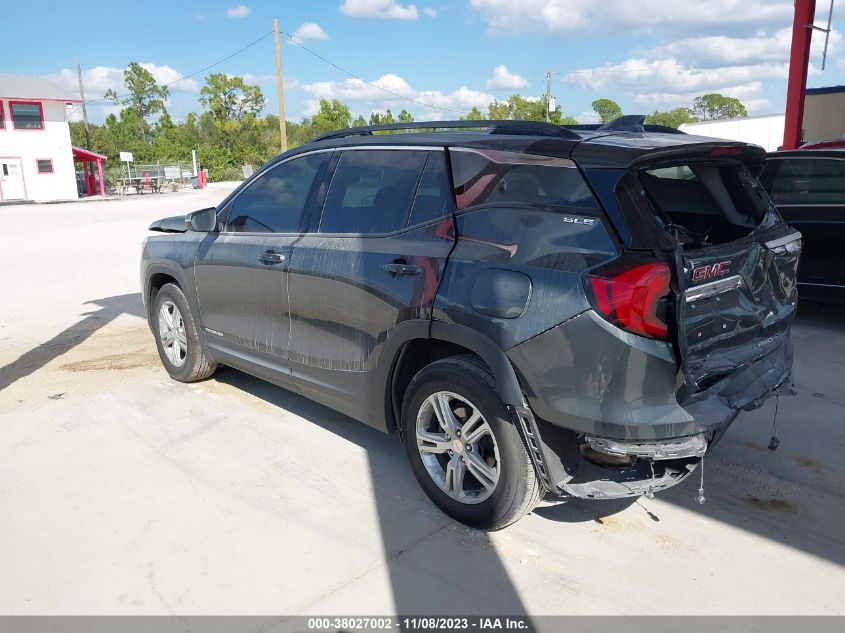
(824, 115)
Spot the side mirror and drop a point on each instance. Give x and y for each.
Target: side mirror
(202, 221)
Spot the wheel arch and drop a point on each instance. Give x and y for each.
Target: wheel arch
(156, 276)
(443, 340)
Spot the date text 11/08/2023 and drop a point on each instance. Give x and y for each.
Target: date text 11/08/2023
(423, 623)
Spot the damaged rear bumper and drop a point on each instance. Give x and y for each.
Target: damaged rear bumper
(627, 427)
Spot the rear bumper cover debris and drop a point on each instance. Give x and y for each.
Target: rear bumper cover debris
(675, 448)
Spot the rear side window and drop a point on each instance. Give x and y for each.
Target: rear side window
(805, 180)
(275, 202)
(483, 176)
(433, 199)
(371, 191)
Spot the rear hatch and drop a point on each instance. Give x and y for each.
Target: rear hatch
(734, 265)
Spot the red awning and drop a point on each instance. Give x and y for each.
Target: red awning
(84, 156)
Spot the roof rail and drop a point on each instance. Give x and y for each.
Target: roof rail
(520, 128)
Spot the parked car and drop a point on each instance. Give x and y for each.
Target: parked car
(826, 144)
(532, 309)
(808, 188)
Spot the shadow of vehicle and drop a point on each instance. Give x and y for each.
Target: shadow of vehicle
(107, 310)
(425, 575)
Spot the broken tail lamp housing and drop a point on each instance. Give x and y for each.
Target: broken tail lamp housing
(631, 295)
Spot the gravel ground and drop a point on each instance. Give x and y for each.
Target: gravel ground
(123, 492)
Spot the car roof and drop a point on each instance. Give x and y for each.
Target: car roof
(589, 145)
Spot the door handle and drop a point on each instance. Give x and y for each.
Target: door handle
(269, 257)
(400, 269)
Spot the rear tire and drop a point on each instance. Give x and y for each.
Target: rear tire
(449, 458)
(177, 338)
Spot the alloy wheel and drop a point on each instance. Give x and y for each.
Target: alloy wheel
(171, 331)
(457, 447)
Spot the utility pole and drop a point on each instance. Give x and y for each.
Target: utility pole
(280, 87)
(548, 94)
(84, 109)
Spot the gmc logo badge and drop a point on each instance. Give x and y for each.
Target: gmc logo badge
(711, 270)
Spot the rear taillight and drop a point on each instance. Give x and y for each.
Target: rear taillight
(631, 297)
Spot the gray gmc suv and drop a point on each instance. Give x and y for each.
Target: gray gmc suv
(531, 308)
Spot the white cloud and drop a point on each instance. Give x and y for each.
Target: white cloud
(588, 117)
(749, 94)
(166, 75)
(428, 11)
(364, 96)
(668, 83)
(386, 9)
(99, 79)
(503, 79)
(670, 75)
(252, 79)
(558, 16)
(721, 50)
(240, 11)
(309, 31)
(674, 73)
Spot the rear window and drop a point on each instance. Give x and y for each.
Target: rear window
(483, 176)
(805, 180)
(711, 202)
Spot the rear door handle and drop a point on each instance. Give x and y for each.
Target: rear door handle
(270, 257)
(403, 269)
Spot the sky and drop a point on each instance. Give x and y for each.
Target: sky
(441, 57)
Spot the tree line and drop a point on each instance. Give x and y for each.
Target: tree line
(231, 132)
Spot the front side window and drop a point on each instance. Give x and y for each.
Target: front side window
(805, 180)
(45, 165)
(27, 115)
(2, 117)
(276, 201)
(484, 176)
(371, 191)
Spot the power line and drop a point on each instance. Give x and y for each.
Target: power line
(306, 49)
(369, 83)
(184, 77)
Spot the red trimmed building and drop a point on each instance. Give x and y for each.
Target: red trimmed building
(37, 160)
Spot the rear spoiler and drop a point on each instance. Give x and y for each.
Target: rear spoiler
(747, 153)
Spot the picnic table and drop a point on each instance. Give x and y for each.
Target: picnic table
(139, 183)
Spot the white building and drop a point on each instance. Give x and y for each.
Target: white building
(824, 120)
(824, 114)
(37, 159)
(766, 131)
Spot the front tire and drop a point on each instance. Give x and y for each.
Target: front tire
(464, 450)
(177, 338)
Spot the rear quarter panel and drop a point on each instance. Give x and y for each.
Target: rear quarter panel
(551, 248)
